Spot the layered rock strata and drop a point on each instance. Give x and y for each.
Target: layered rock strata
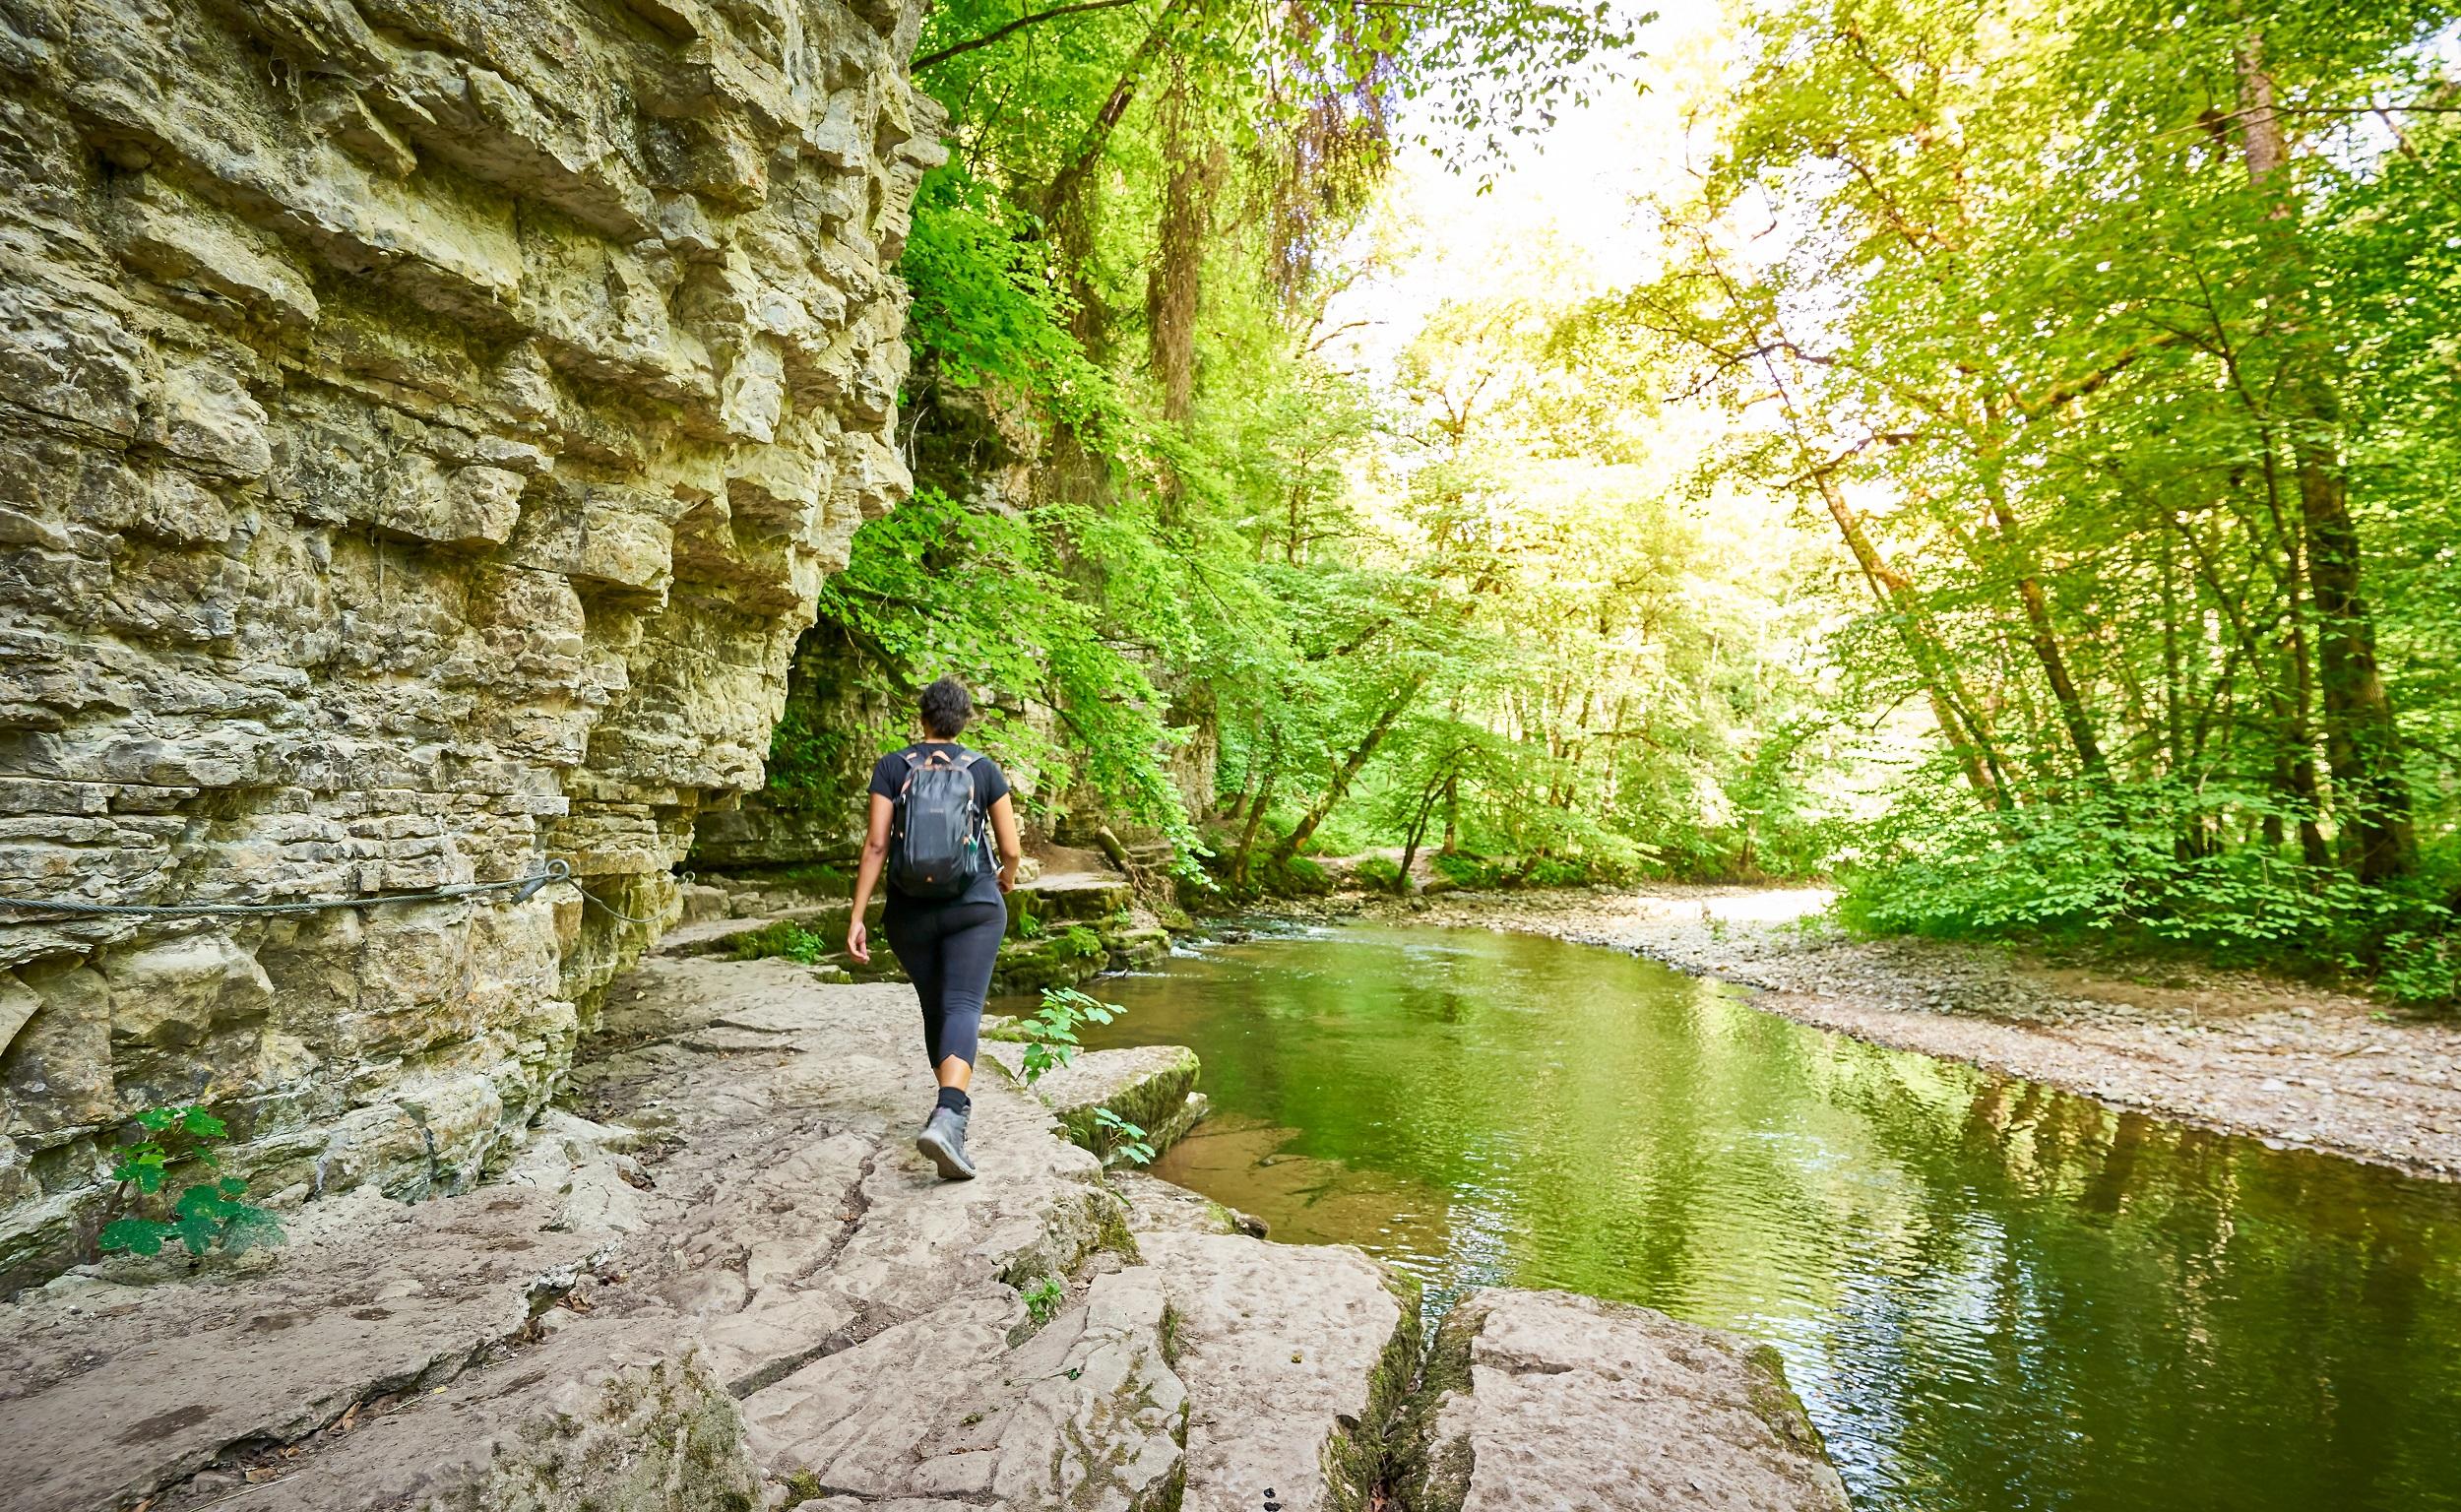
(735, 1284)
(424, 427)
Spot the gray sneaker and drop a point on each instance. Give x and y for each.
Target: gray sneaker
(943, 1138)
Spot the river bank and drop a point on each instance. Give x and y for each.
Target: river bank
(2293, 1064)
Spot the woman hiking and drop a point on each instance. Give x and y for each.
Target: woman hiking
(935, 808)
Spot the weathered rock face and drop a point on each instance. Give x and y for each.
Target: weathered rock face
(1547, 1399)
(1152, 1086)
(425, 428)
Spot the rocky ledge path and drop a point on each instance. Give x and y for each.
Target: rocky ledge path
(2291, 1063)
(721, 1278)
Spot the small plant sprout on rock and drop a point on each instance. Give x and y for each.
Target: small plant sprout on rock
(1118, 1137)
(1043, 1298)
(207, 1213)
(1051, 1033)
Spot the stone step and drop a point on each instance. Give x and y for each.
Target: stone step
(1134, 948)
(1068, 898)
(1027, 967)
(1546, 1399)
(1285, 1351)
(1156, 1206)
(1152, 1086)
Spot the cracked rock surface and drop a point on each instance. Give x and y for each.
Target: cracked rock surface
(1546, 1399)
(724, 1279)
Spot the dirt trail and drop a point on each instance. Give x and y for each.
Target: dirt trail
(2292, 1064)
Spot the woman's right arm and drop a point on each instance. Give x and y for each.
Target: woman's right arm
(867, 876)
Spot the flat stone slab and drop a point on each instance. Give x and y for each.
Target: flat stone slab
(972, 1402)
(1553, 1400)
(1156, 1206)
(718, 936)
(1285, 1348)
(609, 1420)
(1152, 1086)
(110, 1390)
(748, 1197)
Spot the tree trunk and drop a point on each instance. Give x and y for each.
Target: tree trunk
(1256, 814)
(1951, 708)
(1231, 812)
(1173, 284)
(1418, 832)
(2362, 739)
(1067, 208)
(2040, 633)
(1305, 828)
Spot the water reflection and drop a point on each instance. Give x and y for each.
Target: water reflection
(1991, 1296)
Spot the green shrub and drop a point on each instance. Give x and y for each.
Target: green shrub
(2110, 863)
(1493, 873)
(1462, 869)
(1378, 873)
(207, 1214)
(1076, 943)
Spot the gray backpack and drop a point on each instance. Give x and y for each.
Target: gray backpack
(936, 844)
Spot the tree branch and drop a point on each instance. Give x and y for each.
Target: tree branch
(997, 34)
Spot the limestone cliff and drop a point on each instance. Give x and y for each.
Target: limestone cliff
(424, 427)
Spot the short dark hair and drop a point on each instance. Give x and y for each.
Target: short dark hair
(946, 707)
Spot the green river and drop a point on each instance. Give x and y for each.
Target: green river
(1991, 1294)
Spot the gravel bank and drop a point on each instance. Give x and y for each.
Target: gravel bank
(2292, 1064)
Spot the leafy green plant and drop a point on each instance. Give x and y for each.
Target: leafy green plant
(1051, 1031)
(785, 938)
(2421, 967)
(1476, 872)
(1118, 1137)
(205, 1214)
(1378, 873)
(1077, 943)
(1043, 1298)
(1029, 927)
(2107, 863)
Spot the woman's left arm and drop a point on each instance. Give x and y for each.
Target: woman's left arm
(1004, 830)
(868, 875)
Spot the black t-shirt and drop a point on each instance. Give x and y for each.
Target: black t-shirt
(888, 780)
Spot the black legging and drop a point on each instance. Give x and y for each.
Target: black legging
(947, 949)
